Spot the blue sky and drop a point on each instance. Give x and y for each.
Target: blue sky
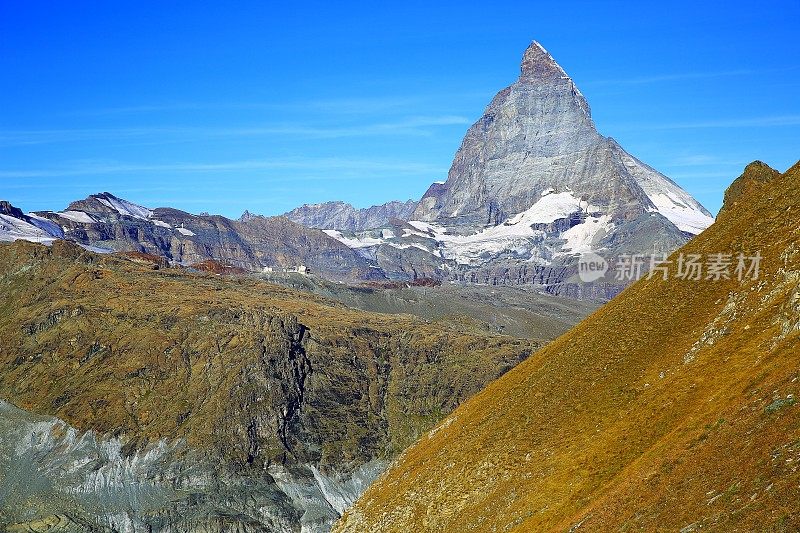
(226, 106)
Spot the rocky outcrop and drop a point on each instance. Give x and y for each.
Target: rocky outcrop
(754, 174)
(214, 403)
(345, 217)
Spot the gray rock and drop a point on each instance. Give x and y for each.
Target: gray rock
(103, 222)
(345, 217)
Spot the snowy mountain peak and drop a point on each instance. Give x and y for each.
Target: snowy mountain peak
(104, 204)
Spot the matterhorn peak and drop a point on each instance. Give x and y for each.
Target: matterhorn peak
(538, 64)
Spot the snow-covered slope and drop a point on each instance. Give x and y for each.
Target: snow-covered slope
(12, 229)
(559, 223)
(124, 207)
(669, 199)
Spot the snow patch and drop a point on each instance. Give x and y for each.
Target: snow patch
(675, 204)
(96, 249)
(353, 241)
(513, 235)
(124, 207)
(160, 223)
(12, 229)
(583, 237)
(184, 231)
(681, 212)
(549, 209)
(77, 216)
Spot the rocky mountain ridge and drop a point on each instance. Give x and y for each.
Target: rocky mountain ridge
(105, 223)
(343, 216)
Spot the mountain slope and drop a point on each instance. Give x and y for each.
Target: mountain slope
(214, 403)
(682, 419)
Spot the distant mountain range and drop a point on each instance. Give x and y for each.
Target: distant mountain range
(345, 217)
(105, 223)
(532, 187)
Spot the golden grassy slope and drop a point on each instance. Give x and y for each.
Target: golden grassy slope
(668, 408)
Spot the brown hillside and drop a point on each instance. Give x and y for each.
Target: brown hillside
(671, 408)
(249, 372)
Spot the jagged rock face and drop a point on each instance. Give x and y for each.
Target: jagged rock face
(345, 217)
(7, 209)
(241, 404)
(536, 135)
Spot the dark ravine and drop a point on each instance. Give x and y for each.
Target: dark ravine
(213, 403)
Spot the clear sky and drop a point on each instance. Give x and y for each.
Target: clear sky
(226, 106)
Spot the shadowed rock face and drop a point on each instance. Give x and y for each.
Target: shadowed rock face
(215, 404)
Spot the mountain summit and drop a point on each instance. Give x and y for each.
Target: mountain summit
(539, 64)
(533, 186)
(538, 134)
